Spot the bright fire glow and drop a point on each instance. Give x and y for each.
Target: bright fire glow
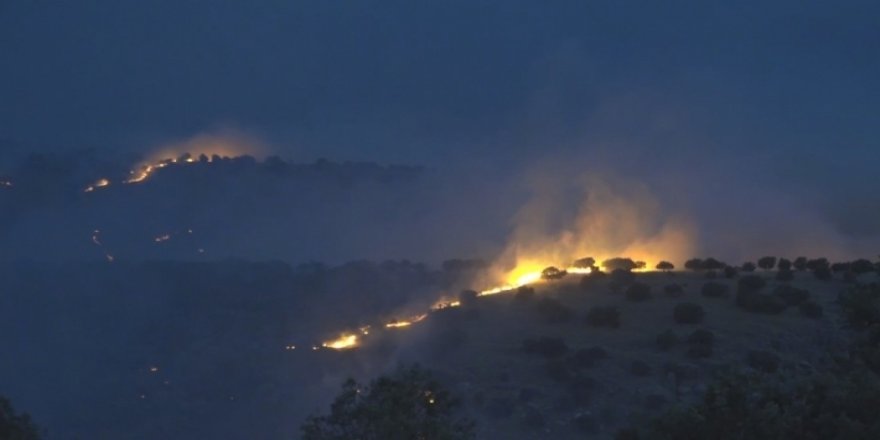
(101, 183)
(342, 343)
(406, 322)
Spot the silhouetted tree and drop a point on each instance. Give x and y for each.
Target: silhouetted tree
(767, 263)
(553, 273)
(730, 272)
(861, 266)
(619, 263)
(784, 264)
(817, 263)
(694, 264)
(584, 263)
(665, 266)
(800, 263)
(748, 266)
(712, 264)
(15, 426)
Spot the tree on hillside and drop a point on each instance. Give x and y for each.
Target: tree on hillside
(665, 266)
(712, 264)
(585, 263)
(800, 263)
(15, 426)
(619, 263)
(767, 263)
(784, 264)
(748, 266)
(694, 264)
(408, 404)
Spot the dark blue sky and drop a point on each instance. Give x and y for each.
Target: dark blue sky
(438, 80)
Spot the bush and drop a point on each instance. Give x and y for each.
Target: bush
(800, 263)
(763, 361)
(740, 407)
(792, 296)
(603, 317)
(688, 313)
(701, 337)
(822, 273)
(640, 369)
(750, 283)
(667, 340)
(817, 263)
(638, 292)
(622, 277)
(784, 275)
(748, 266)
(862, 266)
(546, 346)
(811, 309)
(587, 357)
(552, 311)
(673, 290)
(715, 290)
(730, 272)
(758, 302)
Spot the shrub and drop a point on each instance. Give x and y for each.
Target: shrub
(792, 296)
(750, 283)
(545, 346)
(638, 292)
(758, 302)
(639, 368)
(667, 340)
(673, 290)
(715, 290)
(767, 263)
(622, 277)
(817, 263)
(840, 267)
(701, 337)
(591, 278)
(603, 317)
(822, 273)
(748, 266)
(763, 361)
(699, 351)
(587, 357)
(730, 272)
(811, 309)
(552, 311)
(862, 266)
(784, 275)
(688, 313)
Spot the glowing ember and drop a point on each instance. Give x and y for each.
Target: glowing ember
(344, 342)
(101, 183)
(407, 322)
(154, 369)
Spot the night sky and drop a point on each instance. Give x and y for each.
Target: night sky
(432, 82)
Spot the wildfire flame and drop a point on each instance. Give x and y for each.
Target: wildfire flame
(101, 183)
(344, 342)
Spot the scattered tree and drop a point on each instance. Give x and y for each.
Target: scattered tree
(784, 264)
(553, 273)
(665, 266)
(748, 266)
(694, 264)
(585, 263)
(16, 426)
(767, 263)
(800, 263)
(603, 317)
(619, 263)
